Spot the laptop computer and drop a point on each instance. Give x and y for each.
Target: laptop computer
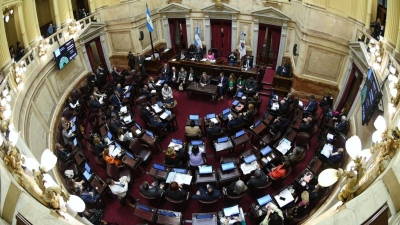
(240, 133)
(75, 142)
(239, 94)
(177, 141)
(87, 175)
(109, 135)
(193, 117)
(257, 123)
(196, 142)
(230, 211)
(205, 169)
(129, 155)
(204, 216)
(227, 166)
(127, 95)
(225, 112)
(179, 170)
(73, 128)
(73, 119)
(264, 200)
(222, 139)
(167, 213)
(210, 116)
(158, 167)
(149, 133)
(266, 150)
(235, 103)
(138, 126)
(87, 167)
(160, 104)
(250, 159)
(143, 207)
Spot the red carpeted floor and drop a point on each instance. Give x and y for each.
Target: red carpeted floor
(116, 213)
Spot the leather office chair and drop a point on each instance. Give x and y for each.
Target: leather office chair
(256, 192)
(230, 199)
(116, 172)
(234, 129)
(60, 139)
(208, 205)
(302, 139)
(179, 204)
(68, 165)
(155, 201)
(249, 121)
(190, 138)
(137, 148)
(99, 160)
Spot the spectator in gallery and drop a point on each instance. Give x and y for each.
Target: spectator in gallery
(131, 60)
(13, 54)
(51, 29)
(19, 52)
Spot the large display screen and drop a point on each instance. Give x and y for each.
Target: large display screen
(65, 53)
(370, 96)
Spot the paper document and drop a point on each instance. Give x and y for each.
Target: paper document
(164, 115)
(153, 91)
(175, 146)
(138, 131)
(329, 136)
(275, 106)
(156, 108)
(214, 120)
(248, 168)
(124, 109)
(127, 119)
(179, 178)
(326, 150)
(173, 60)
(148, 58)
(166, 50)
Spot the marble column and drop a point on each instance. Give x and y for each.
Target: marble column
(22, 29)
(31, 21)
(282, 44)
(85, 55)
(166, 31)
(105, 51)
(188, 31)
(234, 32)
(368, 16)
(63, 11)
(56, 13)
(5, 57)
(392, 21)
(207, 31)
(70, 9)
(255, 39)
(398, 40)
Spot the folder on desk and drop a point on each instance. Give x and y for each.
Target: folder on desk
(165, 114)
(156, 108)
(123, 109)
(179, 178)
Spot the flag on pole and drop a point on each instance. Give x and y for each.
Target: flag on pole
(148, 18)
(197, 40)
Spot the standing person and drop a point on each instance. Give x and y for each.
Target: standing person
(222, 84)
(231, 86)
(120, 188)
(51, 29)
(181, 79)
(260, 76)
(20, 51)
(140, 62)
(166, 73)
(377, 28)
(174, 76)
(131, 60)
(242, 50)
(195, 156)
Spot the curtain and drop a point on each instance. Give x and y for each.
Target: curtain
(90, 56)
(184, 34)
(216, 40)
(227, 39)
(261, 39)
(172, 34)
(101, 54)
(276, 38)
(348, 86)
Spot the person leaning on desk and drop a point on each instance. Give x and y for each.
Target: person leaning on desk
(204, 79)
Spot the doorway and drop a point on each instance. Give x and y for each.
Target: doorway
(221, 37)
(95, 54)
(352, 87)
(178, 35)
(269, 38)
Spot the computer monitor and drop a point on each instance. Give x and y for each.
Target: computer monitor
(127, 95)
(149, 133)
(143, 207)
(210, 116)
(73, 128)
(264, 200)
(257, 123)
(109, 135)
(129, 155)
(222, 139)
(266, 150)
(158, 167)
(240, 133)
(75, 142)
(177, 141)
(250, 159)
(205, 169)
(235, 103)
(138, 126)
(204, 216)
(87, 167)
(87, 175)
(226, 111)
(234, 210)
(196, 142)
(227, 166)
(167, 213)
(239, 94)
(193, 117)
(179, 170)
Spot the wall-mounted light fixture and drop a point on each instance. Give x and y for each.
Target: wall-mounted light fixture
(7, 13)
(72, 27)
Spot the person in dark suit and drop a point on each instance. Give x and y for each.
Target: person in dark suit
(311, 107)
(176, 192)
(99, 146)
(62, 153)
(259, 179)
(146, 92)
(342, 126)
(289, 98)
(306, 125)
(140, 62)
(89, 197)
(335, 155)
(116, 74)
(248, 63)
(208, 194)
(327, 101)
(249, 113)
(166, 73)
(115, 100)
(235, 121)
(222, 84)
(278, 124)
(232, 57)
(283, 107)
(94, 104)
(240, 85)
(174, 158)
(92, 79)
(156, 121)
(260, 76)
(120, 90)
(214, 129)
(154, 189)
(145, 111)
(250, 86)
(192, 76)
(204, 79)
(116, 124)
(131, 60)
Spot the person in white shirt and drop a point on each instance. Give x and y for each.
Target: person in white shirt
(242, 49)
(120, 189)
(166, 92)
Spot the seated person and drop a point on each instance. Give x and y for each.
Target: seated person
(289, 98)
(151, 83)
(232, 57)
(154, 189)
(274, 215)
(97, 95)
(116, 124)
(181, 79)
(62, 153)
(233, 122)
(250, 87)
(174, 158)
(120, 90)
(181, 55)
(68, 135)
(156, 121)
(279, 171)
(327, 101)
(284, 70)
(278, 124)
(210, 55)
(111, 160)
(240, 85)
(204, 79)
(341, 127)
(237, 221)
(249, 113)
(283, 107)
(236, 188)
(112, 111)
(208, 194)
(176, 192)
(89, 197)
(166, 73)
(298, 209)
(174, 76)
(167, 92)
(306, 125)
(259, 179)
(146, 92)
(94, 104)
(214, 129)
(195, 156)
(294, 156)
(192, 130)
(248, 63)
(146, 111)
(192, 76)
(116, 100)
(335, 155)
(99, 146)
(124, 136)
(116, 74)
(311, 107)
(222, 85)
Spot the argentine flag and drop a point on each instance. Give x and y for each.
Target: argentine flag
(197, 40)
(148, 18)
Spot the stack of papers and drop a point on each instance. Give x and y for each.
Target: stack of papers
(329, 136)
(214, 120)
(124, 109)
(114, 151)
(248, 168)
(203, 60)
(138, 131)
(164, 115)
(159, 82)
(127, 119)
(175, 146)
(275, 106)
(156, 108)
(153, 91)
(326, 150)
(148, 58)
(166, 50)
(179, 178)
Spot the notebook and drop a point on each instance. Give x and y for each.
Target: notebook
(138, 126)
(257, 123)
(204, 216)
(158, 167)
(205, 169)
(239, 94)
(87, 167)
(193, 117)
(226, 111)
(228, 166)
(87, 175)
(210, 116)
(264, 200)
(240, 133)
(142, 207)
(129, 155)
(234, 210)
(196, 142)
(266, 150)
(149, 133)
(177, 141)
(250, 159)
(167, 213)
(235, 103)
(75, 142)
(178, 170)
(222, 139)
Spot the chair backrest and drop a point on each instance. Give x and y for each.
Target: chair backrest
(156, 130)
(190, 138)
(315, 165)
(213, 137)
(234, 129)
(288, 172)
(75, 95)
(135, 146)
(112, 171)
(302, 139)
(215, 51)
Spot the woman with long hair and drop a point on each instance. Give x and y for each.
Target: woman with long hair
(231, 86)
(195, 156)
